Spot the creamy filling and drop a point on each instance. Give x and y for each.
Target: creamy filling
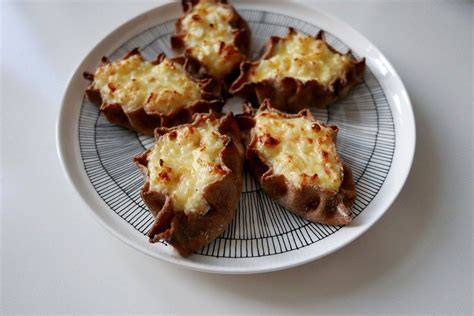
(301, 57)
(185, 161)
(136, 83)
(300, 149)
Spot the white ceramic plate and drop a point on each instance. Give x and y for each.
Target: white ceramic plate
(377, 139)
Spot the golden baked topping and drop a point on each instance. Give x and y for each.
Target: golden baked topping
(136, 83)
(301, 57)
(210, 38)
(300, 149)
(185, 161)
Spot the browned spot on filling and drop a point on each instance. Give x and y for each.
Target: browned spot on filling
(164, 175)
(112, 87)
(161, 162)
(307, 179)
(323, 140)
(316, 127)
(173, 135)
(309, 140)
(327, 170)
(268, 140)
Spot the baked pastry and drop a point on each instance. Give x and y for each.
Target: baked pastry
(294, 159)
(298, 71)
(193, 180)
(142, 95)
(215, 35)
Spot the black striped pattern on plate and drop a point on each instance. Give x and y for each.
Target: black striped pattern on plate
(366, 142)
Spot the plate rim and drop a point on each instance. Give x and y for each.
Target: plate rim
(63, 148)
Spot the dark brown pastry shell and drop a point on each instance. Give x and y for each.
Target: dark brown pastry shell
(188, 233)
(292, 95)
(144, 121)
(309, 201)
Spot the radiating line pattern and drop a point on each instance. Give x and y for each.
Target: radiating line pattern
(366, 142)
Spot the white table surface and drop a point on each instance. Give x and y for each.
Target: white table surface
(56, 258)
